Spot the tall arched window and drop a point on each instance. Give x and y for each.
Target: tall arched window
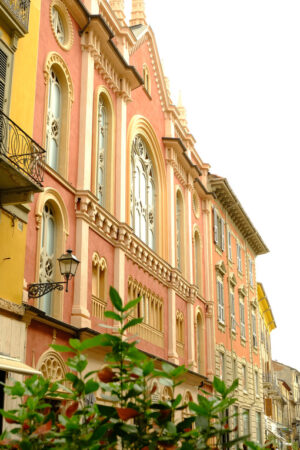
(102, 149)
(47, 255)
(197, 258)
(53, 121)
(179, 231)
(142, 192)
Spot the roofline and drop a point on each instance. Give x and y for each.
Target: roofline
(254, 238)
(111, 35)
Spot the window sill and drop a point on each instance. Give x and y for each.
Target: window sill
(221, 325)
(245, 391)
(240, 274)
(233, 333)
(243, 341)
(219, 250)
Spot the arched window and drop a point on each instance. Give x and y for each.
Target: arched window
(99, 273)
(102, 150)
(147, 81)
(179, 231)
(53, 121)
(197, 259)
(58, 98)
(58, 26)
(142, 193)
(53, 229)
(47, 255)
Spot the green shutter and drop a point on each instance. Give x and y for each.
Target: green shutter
(3, 73)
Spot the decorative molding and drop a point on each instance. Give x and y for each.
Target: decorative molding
(12, 307)
(232, 279)
(55, 58)
(121, 235)
(114, 80)
(66, 19)
(220, 267)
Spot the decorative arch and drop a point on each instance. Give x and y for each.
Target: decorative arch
(53, 198)
(52, 366)
(186, 399)
(99, 285)
(154, 391)
(103, 94)
(200, 340)
(54, 63)
(139, 125)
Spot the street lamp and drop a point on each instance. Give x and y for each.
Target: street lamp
(68, 264)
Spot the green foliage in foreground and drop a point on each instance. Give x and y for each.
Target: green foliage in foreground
(127, 418)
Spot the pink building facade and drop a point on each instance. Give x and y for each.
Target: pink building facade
(127, 191)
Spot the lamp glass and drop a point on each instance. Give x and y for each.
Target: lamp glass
(68, 264)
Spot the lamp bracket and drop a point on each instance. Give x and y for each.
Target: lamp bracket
(37, 290)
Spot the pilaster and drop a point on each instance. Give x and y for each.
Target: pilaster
(192, 363)
(86, 119)
(80, 315)
(172, 353)
(121, 159)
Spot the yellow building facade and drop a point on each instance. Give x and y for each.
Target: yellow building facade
(21, 173)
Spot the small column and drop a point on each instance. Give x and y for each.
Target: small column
(138, 16)
(122, 195)
(86, 116)
(191, 335)
(121, 159)
(189, 231)
(80, 315)
(172, 353)
(118, 8)
(210, 333)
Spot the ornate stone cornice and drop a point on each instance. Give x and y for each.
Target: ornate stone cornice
(11, 307)
(121, 235)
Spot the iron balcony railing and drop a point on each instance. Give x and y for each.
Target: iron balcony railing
(19, 9)
(21, 150)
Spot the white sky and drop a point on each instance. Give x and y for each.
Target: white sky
(237, 64)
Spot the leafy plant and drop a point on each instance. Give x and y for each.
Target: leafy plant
(127, 417)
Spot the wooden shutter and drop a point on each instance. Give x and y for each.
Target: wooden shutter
(268, 407)
(223, 237)
(3, 77)
(215, 226)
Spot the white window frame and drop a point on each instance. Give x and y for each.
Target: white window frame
(242, 318)
(219, 230)
(232, 310)
(229, 244)
(220, 300)
(239, 256)
(251, 280)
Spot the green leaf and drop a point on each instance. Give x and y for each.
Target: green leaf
(115, 299)
(75, 343)
(219, 386)
(96, 341)
(178, 371)
(18, 389)
(135, 355)
(62, 348)
(113, 315)
(70, 376)
(177, 401)
(91, 386)
(233, 386)
(132, 322)
(171, 427)
(107, 411)
(148, 368)
(132, 304)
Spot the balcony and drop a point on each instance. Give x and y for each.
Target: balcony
(15, 15)
(21, 163)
